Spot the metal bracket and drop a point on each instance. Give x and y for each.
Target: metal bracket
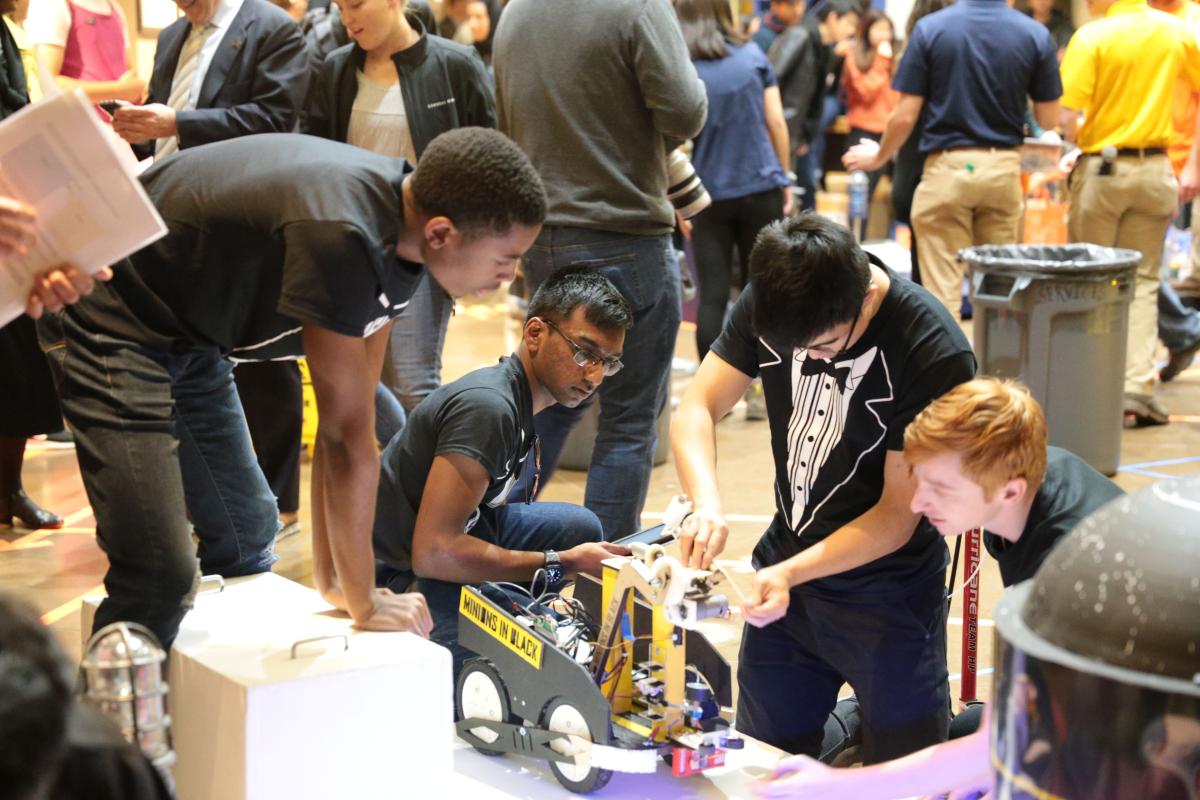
(218, 579)
(345, 642)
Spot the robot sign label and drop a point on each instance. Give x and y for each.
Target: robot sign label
(502, 628)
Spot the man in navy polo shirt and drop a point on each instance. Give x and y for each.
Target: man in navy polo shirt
(971, 68)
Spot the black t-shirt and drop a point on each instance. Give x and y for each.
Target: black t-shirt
(833, 423)
(268, 232)
(1070, 491)
(486, 415)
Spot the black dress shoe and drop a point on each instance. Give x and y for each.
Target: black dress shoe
(32, 516)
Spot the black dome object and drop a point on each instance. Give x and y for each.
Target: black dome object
(1123, 588)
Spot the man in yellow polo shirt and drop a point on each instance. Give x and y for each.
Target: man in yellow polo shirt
(1125, 94)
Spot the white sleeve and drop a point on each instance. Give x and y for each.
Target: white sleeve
(49, 22)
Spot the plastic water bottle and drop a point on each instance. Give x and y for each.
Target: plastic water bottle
(859, 199)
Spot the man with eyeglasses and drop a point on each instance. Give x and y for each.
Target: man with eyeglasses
(442, 519)
(850, 581)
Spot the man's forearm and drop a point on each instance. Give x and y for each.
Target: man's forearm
(694, 447)
(871, 536)
(899, 128)
(347, 479)
(462, 558)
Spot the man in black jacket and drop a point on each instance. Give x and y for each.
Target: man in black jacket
(803, 57)
(223, 70)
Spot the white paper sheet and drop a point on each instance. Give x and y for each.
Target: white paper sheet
(57, 156)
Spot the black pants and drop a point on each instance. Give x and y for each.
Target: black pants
(893, 654)
(715, 232)
(273, 400)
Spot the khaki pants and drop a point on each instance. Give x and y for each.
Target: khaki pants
(1129, 208)
(965, 198)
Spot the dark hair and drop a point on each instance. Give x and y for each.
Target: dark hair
(479, 179)
(570, 288)
(35, 695)
(864, 53)
(839, 7)
(707, 25)
(809, 275)
(420, 10)
(923, 8)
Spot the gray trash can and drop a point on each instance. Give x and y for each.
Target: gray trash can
(1056, 317)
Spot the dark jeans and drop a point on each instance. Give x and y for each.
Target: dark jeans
(518, 526)
(272, 396)
(1178, 325)
(715, 232)
(892, 654)
(160, 436)
(645, 271)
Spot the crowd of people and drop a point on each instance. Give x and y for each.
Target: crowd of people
(332, 178)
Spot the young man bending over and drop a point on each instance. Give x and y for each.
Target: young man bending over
(980, 460)
(441, 517)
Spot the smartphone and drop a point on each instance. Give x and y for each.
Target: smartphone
(109, 106)
(655, 535)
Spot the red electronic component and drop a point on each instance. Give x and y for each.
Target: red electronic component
(686, 761)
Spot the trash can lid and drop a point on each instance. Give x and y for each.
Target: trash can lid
(1120, 595)
(1072, 259)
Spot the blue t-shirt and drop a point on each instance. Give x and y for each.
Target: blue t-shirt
(975, 63)
(733, 154)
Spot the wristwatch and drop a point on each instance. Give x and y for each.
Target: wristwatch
(554, 568)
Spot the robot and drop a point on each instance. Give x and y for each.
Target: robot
(593, 699)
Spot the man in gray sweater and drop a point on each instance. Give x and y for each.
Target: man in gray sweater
(597, 95)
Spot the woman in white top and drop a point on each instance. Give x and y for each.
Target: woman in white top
(392, 90)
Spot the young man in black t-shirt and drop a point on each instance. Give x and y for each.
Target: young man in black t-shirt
(279, 245)
(441, 516)
(850, 581)
(980, 460)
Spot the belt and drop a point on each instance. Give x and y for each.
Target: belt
(1139, 152)
(973, 147)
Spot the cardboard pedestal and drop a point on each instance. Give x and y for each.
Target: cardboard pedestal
(361, 714)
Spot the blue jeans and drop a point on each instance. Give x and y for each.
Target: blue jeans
(160, 436)
(1178, 325)
(390, 416)
(645, 272)
(413, 367)
(517, 526)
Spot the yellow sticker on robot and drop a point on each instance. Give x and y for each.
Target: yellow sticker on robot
(522, 642)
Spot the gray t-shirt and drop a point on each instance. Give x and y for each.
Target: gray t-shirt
(378, 120)
(486, 415)
(596, 94)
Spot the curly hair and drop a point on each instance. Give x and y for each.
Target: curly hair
(809, 276)
(996, 426)
(480, 179)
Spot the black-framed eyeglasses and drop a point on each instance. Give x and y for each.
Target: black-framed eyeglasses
(585, 357)
(849, 335)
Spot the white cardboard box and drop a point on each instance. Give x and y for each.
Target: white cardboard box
(250, 722)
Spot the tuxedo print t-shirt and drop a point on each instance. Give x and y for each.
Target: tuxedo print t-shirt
(833, 422)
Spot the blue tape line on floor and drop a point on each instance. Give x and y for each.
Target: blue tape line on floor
(1146, 472)
(1164, 463)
